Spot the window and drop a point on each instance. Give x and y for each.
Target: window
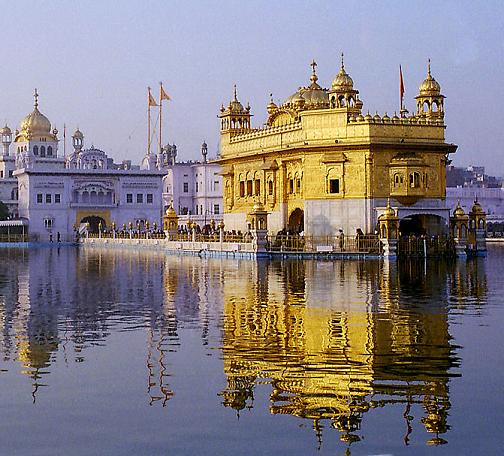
(242, 188)
(298, 185)
(48, 223)
(39, 198)
(216, 209)
(257, 186)
(216, 185)
(42, 151)
(197, 187)
(48, 198)
(49, 151)
(270, 188)
(57, 198)
(129, 197)
(249, 188)
(35, 150)
(334, 186)
(414, 180)
(1, 174)
(139, 198)
(186, 187)
(10, 173)
(150, 198)
(291, 185)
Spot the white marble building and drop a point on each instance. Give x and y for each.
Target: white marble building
(57, 194)
(194, 189)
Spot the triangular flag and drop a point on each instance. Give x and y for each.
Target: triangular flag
(163, 95)
(152, 101)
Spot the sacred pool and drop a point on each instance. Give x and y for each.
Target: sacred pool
(129, 352)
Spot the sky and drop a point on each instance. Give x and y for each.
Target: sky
(92, 62)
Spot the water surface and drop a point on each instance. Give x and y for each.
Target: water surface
(124, 352)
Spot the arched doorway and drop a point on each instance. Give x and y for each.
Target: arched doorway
(296, 221)
(423, 224)
(94, 222)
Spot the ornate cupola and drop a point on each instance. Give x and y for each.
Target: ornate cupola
(342, 93)
(204, 151)
(235, 118)
(6, 139)
(77, 140)
(430, 101)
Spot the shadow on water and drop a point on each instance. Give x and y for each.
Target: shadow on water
(333, 340)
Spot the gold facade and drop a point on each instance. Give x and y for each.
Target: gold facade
(317, 146)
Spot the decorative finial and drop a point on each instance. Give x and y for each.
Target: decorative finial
(342, 61)
(36, 95)
(313, 65)
(428, 67)
(235, 94)
(271, 98)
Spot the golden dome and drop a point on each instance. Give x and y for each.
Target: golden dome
(458, 212)
(36, 123)
(476, 208)
(272, 107)
(311, 97)
(430, 86)
(170, 212)
(342, 81)
(235, 105)
(389, 212)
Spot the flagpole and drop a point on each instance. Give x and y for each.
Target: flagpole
(160, 115)
(149, 122)
(64, 140)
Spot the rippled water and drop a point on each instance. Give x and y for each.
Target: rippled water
(122, 352)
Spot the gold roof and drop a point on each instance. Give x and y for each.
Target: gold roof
(429, 86)
(458, 212)
(477, 209)
(342, 81)
(34, 123)
(311, 97)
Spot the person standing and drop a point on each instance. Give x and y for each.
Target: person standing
(341, 240)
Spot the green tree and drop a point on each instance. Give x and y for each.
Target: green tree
(4, 211)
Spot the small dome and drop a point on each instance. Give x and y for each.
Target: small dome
(368, 117)
(389, 211)
(458, 212)
(342, 81)
(78, 134)
(311, 97)
(6, 130)
(476, 208)
(272, 107)
(170, 212)
(377, 117)
(430, 86)
(386, 118)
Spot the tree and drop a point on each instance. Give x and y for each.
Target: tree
(4, 211)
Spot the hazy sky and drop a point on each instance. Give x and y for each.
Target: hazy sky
(93, 60)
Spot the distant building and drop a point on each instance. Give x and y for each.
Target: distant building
(194, 190)
(471, 177)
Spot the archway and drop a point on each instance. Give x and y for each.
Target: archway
(423, 224)
(296, 221)
(94, 222)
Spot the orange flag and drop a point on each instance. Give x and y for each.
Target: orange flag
(401, 83)
(152, 101)
(163, 95)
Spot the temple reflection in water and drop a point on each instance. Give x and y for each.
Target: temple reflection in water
(332, 340)
(337, 339)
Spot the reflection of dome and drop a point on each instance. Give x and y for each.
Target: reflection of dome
(430, 86)
(36, 123)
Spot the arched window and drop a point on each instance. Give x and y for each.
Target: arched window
(49, 151)
(341, 101)
(333, 101)
(270, 187)
(425, 107)
(414, 180)
(35, 150)
(42, 151)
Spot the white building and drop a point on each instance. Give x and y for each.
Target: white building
(491, 200)
(56, 195)
(194, 190)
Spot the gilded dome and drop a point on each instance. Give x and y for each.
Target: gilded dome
(342, 81)
(311, 97)
(170, 212)
(429, 85)
(476, 208)
(389, 212)
(458, 212)
(36, 123)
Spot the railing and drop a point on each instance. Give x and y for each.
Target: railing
(325, 244)
(426, 246)
(13, 237)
